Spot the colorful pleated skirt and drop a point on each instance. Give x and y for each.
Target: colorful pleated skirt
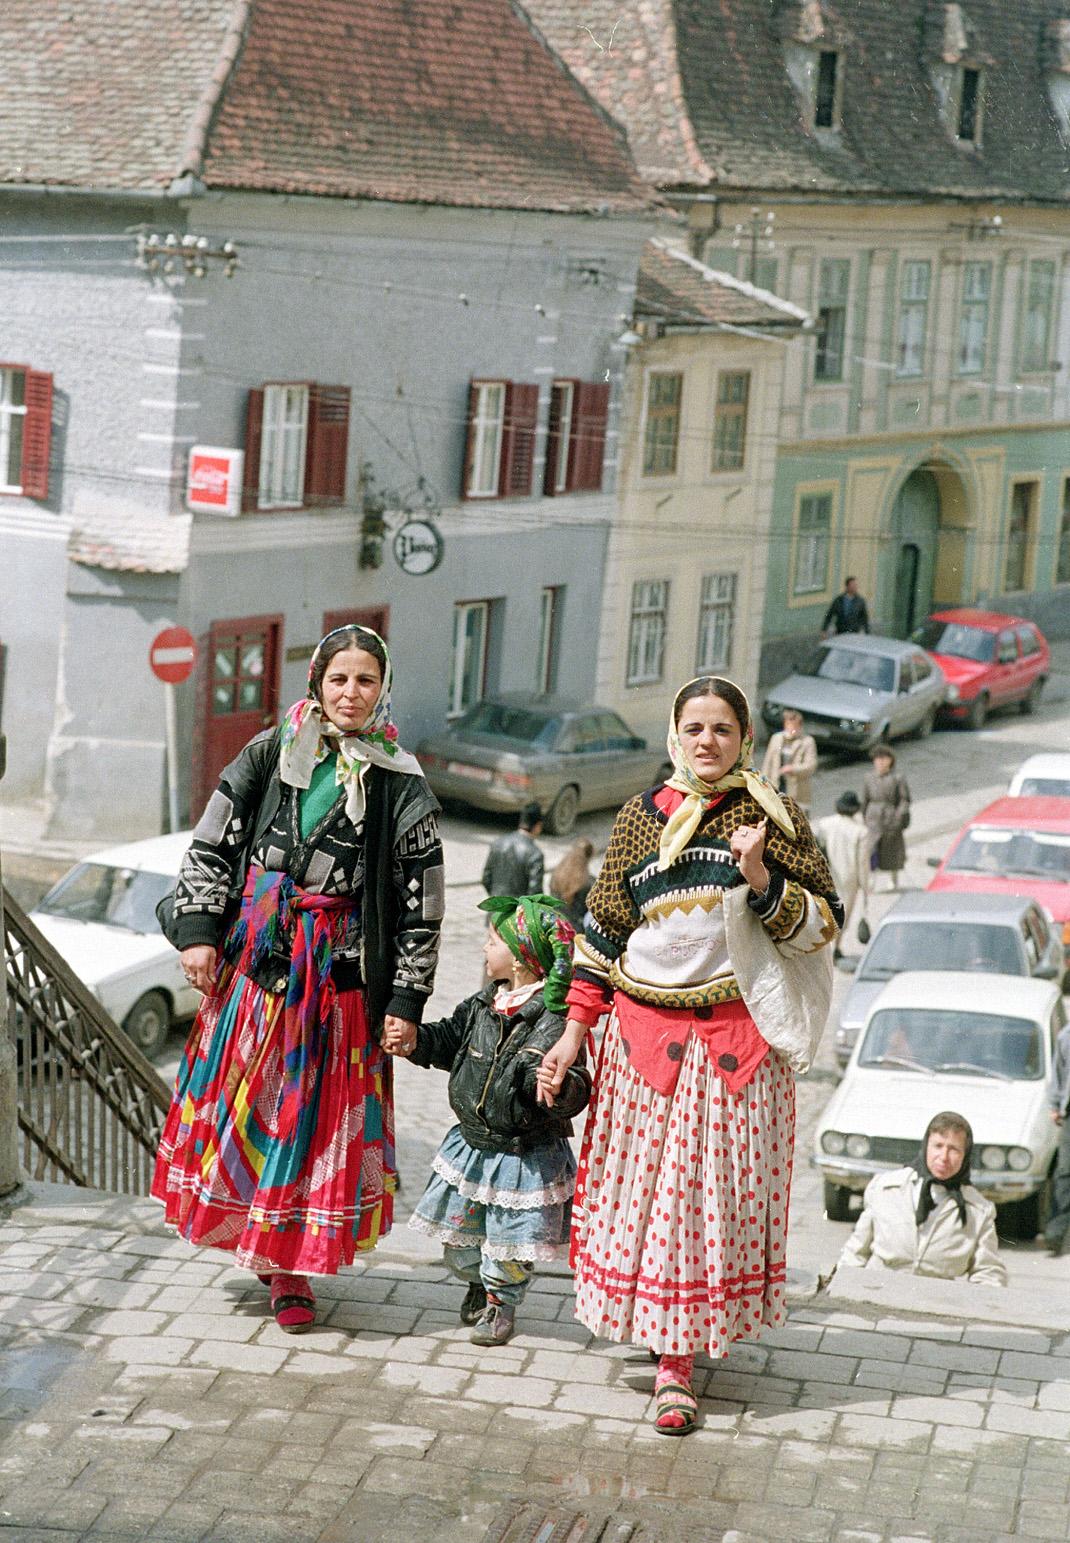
(307, 1203)
(680, 1221)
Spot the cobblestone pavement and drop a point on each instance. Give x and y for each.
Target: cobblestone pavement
(145, 1393)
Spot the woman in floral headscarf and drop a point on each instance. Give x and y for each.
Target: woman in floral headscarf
(308, 911)
(707, 944)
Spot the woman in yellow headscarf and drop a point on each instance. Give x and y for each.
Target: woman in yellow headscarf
(708, 945)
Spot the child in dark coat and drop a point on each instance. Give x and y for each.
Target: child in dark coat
(500, 1193)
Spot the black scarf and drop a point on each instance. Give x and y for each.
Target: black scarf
(920, 1165)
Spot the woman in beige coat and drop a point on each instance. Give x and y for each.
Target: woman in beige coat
(928, 1218)
(791, 760)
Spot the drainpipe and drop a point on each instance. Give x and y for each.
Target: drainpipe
(9, 1116)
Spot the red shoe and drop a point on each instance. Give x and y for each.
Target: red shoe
(293, 1302)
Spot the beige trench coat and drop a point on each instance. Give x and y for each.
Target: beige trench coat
(796, 761)
(887, 1236)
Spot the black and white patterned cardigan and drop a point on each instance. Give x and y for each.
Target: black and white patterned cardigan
(391, 865)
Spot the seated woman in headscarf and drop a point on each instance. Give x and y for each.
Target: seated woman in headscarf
(308, 911)
(928, 1218)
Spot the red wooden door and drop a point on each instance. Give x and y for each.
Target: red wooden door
(241, 683)
(377, 617)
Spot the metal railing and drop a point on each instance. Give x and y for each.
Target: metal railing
(90, 1106)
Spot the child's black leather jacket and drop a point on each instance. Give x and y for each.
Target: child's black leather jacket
(492, 1060)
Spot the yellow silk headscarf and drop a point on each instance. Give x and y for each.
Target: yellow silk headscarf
(697, 793)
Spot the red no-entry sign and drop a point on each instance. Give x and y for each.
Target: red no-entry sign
(172, 655)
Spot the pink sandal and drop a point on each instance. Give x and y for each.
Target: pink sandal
(676, 1408)
(293, 1302)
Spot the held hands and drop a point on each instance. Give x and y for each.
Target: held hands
(399, 1035)
(198, 966)
(748, 849)
(556, 1062)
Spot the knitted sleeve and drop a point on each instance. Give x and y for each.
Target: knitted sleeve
(613, 913)
(420, 886)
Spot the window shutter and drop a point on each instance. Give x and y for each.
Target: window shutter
(469, 440)
(588, 448)
(518, 439)
(36, 434)
(254, 420)
(328, 440)
(553, 440)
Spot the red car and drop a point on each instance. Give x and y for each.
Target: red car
(1018, 846)
(990, 661)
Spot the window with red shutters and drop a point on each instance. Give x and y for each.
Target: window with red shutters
(328, 442)
(518, 439)
(254, 419)
(499, 453)
(37, 434)
(296, 446)
(590, 412)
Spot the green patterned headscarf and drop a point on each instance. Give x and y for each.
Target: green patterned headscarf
(536, 931)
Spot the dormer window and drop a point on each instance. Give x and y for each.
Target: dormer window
(968, 130)
(826, 91)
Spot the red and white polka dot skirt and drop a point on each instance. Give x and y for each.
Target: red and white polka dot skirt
(680, 1221)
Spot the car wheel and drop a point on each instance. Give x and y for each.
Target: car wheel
(978, 713)
(148, 1023)
(563, 811)
(837, 1201)
(1029, 702)
(925, 727)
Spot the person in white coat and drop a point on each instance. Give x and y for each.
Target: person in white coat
(791, 760)
(928, 1218)
(844, 839)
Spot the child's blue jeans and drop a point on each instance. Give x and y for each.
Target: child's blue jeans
(505, 1279)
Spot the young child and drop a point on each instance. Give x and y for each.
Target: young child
(500, 1192)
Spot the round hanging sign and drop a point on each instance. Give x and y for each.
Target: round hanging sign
(418, 547)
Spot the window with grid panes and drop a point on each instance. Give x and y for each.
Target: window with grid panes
(973, 318)
(1062, 552)
(470, 627)
(913, 316)
(716, 622)
(283, 446)
(664, 394)
(730, 420)
(487, 424)
(1019, 534)
(812, 541)
(1040, 295)
(646, 634)
(12, 421)
(832, 318)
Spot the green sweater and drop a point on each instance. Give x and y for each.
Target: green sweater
(320, 795)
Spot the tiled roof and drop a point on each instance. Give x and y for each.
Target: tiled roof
(741, 118)
(679, 290)
(137, 543)
(430, 101)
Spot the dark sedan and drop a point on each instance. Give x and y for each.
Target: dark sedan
(509, 750)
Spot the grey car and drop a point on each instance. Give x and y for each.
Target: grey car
(855, 691)
(942, 930)
(507, 751)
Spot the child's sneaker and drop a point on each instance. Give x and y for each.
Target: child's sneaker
(475, 1300)
(495, 1324)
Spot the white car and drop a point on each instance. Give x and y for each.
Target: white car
(1042, 776)
(101, 918)
(936, 1040)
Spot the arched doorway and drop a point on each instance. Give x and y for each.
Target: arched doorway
(924, 561)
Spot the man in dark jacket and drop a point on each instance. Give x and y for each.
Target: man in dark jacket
(848, 612)
(514, 864)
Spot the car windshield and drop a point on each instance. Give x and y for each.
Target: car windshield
(1045, 787)
(851, 668)
(945, 1040)
(114, 897)
(519, 723)
(928, 945)
(951, 637)
(1024, 854)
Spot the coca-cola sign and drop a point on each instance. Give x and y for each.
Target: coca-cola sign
(214, 480)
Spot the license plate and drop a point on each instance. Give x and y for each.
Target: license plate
(475, 773)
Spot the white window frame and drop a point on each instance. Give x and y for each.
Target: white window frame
(973, 317)
(834, 291)
(914, 283)
(283, 446)
(549, 602)
(460, 660)
(813, 549)
(487, 432)
(1036, 352)
(647, 631)
(716, 623)
(565, 393)
(10, 456)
